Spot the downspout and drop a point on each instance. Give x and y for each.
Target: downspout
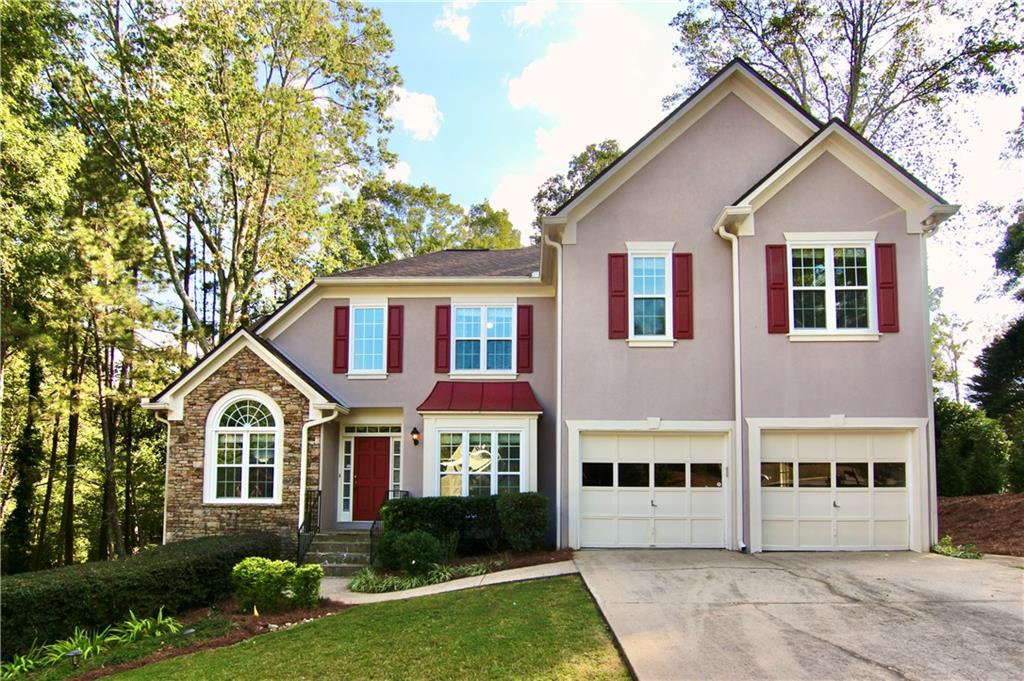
(167, 470)
(736, 371)
(558, 389)
(304, 458)
(930, 227)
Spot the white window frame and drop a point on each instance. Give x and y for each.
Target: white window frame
(210, 462)
(494, 473)
(482, 338)
(366, 373)
(650, 249)
(830, 242)
(510, 422)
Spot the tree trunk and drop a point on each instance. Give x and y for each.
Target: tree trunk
(131, 526)
(41, 557)
(110, 525)
(26, 456)
(67, 518)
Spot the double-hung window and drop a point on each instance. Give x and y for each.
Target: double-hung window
(650, 305)
(479, 463)
(832, 287)
(244, 456)
(483, 338)
(369, 334)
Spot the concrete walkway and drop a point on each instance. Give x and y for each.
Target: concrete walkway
(697, 614)
(336, 588)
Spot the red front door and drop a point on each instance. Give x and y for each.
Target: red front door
(372, 465)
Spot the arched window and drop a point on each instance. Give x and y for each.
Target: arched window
(244, 450)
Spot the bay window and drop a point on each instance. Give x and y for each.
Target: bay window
(480, 463)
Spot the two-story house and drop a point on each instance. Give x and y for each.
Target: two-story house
(722, 341)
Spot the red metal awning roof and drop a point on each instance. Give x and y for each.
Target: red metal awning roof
(481, 396)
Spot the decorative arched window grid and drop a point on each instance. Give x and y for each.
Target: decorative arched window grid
(244, 433)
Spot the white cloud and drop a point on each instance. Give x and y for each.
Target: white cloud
(418, 114)
(399, 172)
(454, 20)
(531, 13)
(589, 93)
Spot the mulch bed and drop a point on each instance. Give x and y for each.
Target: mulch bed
(510, 560)
(992, 522)
(244, 625)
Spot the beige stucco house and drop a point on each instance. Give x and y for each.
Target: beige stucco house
(722, 341)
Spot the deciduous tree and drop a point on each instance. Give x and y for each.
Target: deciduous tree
(583, 167)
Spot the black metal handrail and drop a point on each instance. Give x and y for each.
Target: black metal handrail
(310, 525)
(375, 528)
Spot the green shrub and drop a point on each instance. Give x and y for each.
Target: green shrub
(305, 585)
(524, 519)
(972, 451)
(368, 581)
(48, 605)
(946, 547)
(415, 552)
(473, 520)
(134, 628)
(262, 583)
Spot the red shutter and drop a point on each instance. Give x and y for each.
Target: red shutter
(524, 339)
(778, 295)
(341, 339)
(888, 297)
(442, 338)
(396, 318)
(618, 296)
(682, 295)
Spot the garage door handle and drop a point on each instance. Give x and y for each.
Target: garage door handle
(653, 504)
(835, 504)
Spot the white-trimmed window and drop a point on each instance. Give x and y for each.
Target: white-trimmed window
(369, 336)
(244, 450)
(832, 287)
(480, 463)
(650, 290)
(483, 338)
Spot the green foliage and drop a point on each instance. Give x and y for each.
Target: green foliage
(134, 628)
(49, 604)
(368, 581)
(883, 67)
(948, 343)
(972, 450)
(305, 586)
(473, 519)
(414, 552)
(946, 547)
(484, 227)
(524, 519)
(88, 643)
(1009, 255)
(272, 585)
(583, 167)
(998, 387)
(262, 583)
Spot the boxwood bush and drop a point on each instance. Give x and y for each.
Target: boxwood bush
(415, 552)
(524, 519)
(47, 605)
(474, 520)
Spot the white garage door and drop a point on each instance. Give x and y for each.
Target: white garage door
(652, 490)
(835, 490)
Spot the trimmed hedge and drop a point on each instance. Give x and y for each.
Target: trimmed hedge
(474, 520)
(524, 519)
(47, 605)
(415, 552)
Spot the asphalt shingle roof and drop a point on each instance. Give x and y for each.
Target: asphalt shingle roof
(518, 262)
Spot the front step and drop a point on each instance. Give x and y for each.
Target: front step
(341, 553)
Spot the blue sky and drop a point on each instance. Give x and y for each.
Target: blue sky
(498, 96)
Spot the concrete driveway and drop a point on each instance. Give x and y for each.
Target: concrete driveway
(693, 614)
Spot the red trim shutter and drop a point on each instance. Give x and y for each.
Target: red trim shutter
(682, 295)
(524, 339)
(777, 269)
(618, 295)
(396, 319)
(442, 338)
(888, 297)
(341, 339)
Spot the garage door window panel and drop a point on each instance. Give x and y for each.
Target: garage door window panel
(705, 475)
(634, 475)
(670, 475)
(776, 474)
(852, 474)
(815, 474)
(892, 475)
(598, 474)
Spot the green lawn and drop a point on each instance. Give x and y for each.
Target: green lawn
(545, 629)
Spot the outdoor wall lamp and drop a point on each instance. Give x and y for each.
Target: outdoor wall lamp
(415, 435)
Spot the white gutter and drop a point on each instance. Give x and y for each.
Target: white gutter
(736, 362)
(558, 390)
(303, 459)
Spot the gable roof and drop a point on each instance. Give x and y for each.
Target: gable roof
(816, 139)
(517, 262)
(733, 66)
(171, 397)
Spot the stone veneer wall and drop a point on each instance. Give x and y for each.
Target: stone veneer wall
(187, 516)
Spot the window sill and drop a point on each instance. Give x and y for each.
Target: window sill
(241, 502)
(367, 377)
(833, 337)
(651, 342)
(483, 375)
